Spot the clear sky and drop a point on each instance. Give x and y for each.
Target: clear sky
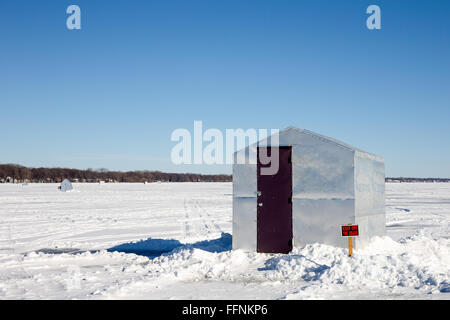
(110, 95)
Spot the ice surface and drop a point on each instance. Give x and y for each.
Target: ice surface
(173, 241)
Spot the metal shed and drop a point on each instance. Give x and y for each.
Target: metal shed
(321, 184)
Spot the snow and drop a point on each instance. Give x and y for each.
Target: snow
(173, 241)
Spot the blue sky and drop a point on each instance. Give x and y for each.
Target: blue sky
(110, 95)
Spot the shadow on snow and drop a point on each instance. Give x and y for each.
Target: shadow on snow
(153, 248)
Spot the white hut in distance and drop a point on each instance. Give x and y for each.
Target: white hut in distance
(66, 185)
(321, 185)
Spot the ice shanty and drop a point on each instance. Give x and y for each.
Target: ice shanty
(66, 185)
(321, 184)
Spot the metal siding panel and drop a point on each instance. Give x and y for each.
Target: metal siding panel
(370, 226)
(321, 220)
(322, 171)
(364, 232)
(369, 186)
(244, 223)
(244, 180)
(370, 198)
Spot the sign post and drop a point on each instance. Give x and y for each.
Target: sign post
(350, 246)
(350, 231)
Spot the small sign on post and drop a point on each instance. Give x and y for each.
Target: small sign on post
(350, 231)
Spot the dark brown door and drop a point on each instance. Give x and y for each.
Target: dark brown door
(274, 222)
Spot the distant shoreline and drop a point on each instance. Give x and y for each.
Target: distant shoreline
(13, 173)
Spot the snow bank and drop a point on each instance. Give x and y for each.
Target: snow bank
(417, 265)
(417, 262)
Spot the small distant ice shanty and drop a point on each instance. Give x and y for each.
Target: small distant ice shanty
(66, 185)
(321, 184)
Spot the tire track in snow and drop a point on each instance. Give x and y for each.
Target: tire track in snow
(187, 231)
(209, 217)
(197, 221)
(201, 224)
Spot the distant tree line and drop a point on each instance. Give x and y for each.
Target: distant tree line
(19, 174)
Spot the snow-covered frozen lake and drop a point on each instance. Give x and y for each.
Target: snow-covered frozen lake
(173, 241)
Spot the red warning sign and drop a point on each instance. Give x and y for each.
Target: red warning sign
(350, 231)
